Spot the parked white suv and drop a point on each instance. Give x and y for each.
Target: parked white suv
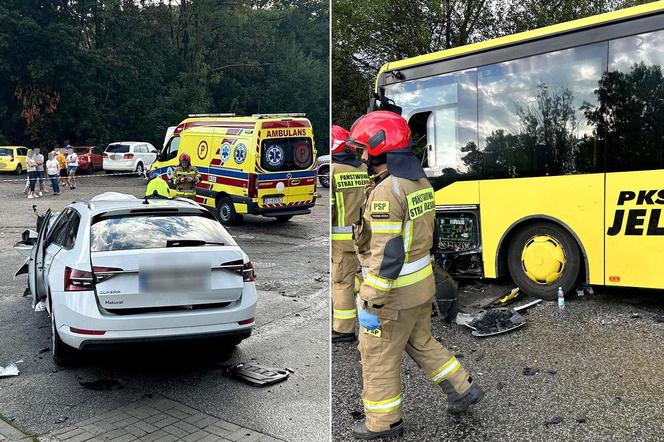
(129, 156)
(118, 270)
(323, 168)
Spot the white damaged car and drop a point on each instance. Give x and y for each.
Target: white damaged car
(118, 270)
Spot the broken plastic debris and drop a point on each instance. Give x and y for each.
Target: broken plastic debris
(101, 384)
(257, 375)
(496, 321)
(40, 307)
(10, 370)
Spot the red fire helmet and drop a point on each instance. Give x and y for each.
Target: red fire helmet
(338, 140)
(380, 132)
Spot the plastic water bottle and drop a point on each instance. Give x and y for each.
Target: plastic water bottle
(561, 298)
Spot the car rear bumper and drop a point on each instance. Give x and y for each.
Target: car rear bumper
(80, 311)
(119, 166)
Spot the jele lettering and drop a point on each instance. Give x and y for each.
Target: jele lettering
(638, 221)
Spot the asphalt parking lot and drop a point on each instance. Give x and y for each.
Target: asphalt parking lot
(291, 332)
(597, 365)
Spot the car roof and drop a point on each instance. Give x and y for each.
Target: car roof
(128, 142)
(114, 201)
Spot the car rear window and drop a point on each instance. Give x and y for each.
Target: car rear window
(118, 148)
(280, 154)
(6, 152)
(132, 232)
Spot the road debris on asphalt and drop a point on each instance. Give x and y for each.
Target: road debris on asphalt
(9, 370)
(491, 322)
(101, 384)
(258, 375)
(529, 371)
(554, 420)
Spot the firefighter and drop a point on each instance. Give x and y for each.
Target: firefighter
(157, 186)
(349, 176)
(185, 177)
(394, 303)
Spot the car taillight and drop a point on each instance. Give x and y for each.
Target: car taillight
(105, 155)
(82, 331)
(101, 274)
(246, 321)
(128, 156)
(253, 186)
(248, 274)
(78, 280)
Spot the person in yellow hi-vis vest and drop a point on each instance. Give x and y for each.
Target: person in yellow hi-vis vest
(185, 177)
(157, 186)
(395, 237)
(349, 176)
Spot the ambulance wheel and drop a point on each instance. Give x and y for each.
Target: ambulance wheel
(283, 219)
(226, 212)
(63, 355)
(542, 257)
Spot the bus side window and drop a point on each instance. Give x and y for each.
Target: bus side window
(630, 113)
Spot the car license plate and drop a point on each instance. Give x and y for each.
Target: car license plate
(117, 157)
(174, 281)
(273, 200)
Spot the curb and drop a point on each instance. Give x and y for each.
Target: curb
(10, 434)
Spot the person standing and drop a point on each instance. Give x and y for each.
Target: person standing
(39, 172)
(72, 165)
(185, 177)
(349, 176)
(32, 173)
(62, 163)
(53, 171)
(394, 305)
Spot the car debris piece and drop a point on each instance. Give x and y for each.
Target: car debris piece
(101, 384)
(512, 295)
(496, 321)
(527, 305)
(40, 306)
(554, 420)
(257, 375)
(10, 370)
(528, 371)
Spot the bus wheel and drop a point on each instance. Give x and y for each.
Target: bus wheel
(226, 212)
(542, 257)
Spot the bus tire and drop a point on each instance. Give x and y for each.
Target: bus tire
(226, 212)
(553, 255)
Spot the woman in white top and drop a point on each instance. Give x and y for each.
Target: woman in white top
(72, 165)
(53, 171)
(32, 174)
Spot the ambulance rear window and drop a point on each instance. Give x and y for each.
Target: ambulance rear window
(281, 154)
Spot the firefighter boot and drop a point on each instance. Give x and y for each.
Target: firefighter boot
(459, 404)
(342, 337)
(360, 431)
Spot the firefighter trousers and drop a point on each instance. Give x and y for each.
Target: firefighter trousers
(344, 268)
(382, 351)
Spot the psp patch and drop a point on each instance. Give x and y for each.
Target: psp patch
(375, 332)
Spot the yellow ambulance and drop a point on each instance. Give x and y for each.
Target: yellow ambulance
(262, 164)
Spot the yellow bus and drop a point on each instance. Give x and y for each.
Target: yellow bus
(546, 150)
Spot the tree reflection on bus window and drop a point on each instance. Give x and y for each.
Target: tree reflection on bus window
(531, 114)
(630, 113)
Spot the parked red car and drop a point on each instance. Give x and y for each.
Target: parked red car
(89, 158)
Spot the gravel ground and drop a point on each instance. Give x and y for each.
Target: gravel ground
(292, 267)
(599, 366)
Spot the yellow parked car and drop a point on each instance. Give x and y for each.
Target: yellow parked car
(12, 159)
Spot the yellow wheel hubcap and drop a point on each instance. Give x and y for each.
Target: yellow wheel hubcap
(543, 259)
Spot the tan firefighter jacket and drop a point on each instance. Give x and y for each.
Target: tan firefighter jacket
(394, 242)
(348, 184)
